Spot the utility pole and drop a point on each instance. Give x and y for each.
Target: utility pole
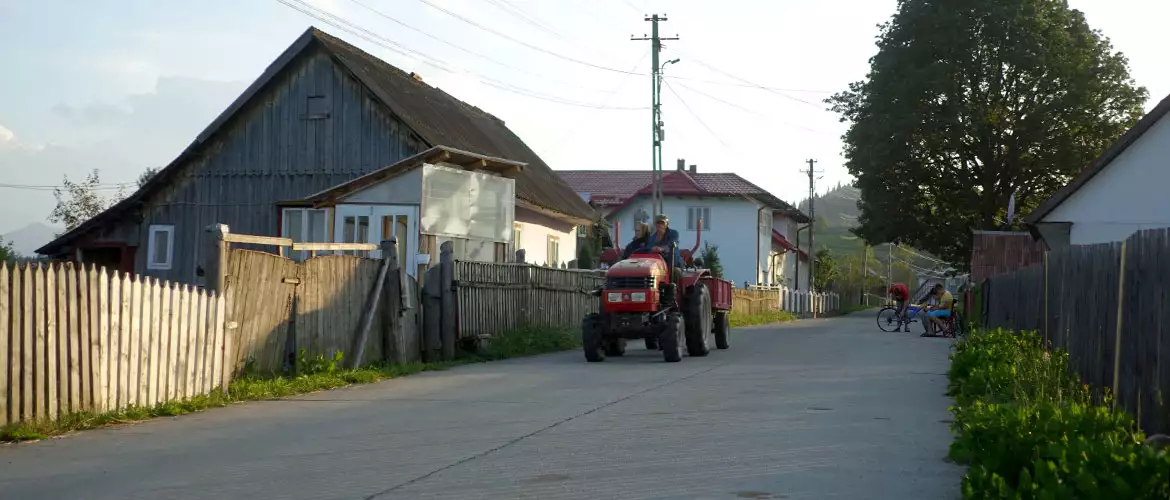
(889, 269)
(812, 250)
(657, 129)
(865, 271)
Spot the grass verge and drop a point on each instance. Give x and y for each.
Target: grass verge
(317, 374)
(1028, 429)
(764, 318)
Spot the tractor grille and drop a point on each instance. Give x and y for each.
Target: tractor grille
(629, 283)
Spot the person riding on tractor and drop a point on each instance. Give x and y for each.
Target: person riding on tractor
(641, 233)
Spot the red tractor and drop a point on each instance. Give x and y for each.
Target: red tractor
(641, 301)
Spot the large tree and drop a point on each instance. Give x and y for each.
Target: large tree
(968, 101)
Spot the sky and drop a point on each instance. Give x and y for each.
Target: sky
(123, 86)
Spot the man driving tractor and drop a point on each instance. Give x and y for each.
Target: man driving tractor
(664, 241)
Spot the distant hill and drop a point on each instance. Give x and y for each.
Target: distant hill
(28, 239)
(836, 213)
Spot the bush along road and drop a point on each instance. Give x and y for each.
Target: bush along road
(1028, 429)
(313, 374)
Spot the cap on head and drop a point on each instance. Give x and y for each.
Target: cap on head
(662, 218)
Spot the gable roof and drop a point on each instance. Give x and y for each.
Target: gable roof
(435, 116)
(619, 187)
(1124, 142)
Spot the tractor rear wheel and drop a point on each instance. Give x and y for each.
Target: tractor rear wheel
(722, 330)
(699, 321)
(591, 338)
(672, 338)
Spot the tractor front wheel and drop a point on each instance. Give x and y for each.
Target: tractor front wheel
(673, 338)
(592, 340)
(652, 344)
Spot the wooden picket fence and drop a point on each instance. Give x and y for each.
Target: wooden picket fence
(492, 298)
(78, 338)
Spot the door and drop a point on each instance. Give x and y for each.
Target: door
(374, 223)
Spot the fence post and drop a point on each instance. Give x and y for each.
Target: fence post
(447, 283)
(394, 303)
(520, 256)
(1117, 336)
(432, 306)
(215, 266)
(389, 260)
(1046, 339)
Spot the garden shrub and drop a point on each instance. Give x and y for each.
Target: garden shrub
(1029, 429)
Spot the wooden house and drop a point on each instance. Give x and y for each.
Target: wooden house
(323, 114)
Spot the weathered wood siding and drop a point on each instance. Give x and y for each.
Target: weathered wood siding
(318, 305)
(1074, 300)
(272, 152)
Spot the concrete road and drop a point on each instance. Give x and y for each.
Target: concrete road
(816, 409)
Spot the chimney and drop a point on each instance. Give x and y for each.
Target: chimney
(692, 169)
(682, 164)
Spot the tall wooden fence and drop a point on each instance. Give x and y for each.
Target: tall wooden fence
(1107, 305)
(492, 298)
(80, 339)
(281, 306)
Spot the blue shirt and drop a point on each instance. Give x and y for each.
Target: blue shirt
(669, 241)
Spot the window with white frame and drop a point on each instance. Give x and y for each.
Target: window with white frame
(304, 225)
(517, 241)
(696, 213)
(160, 247)
(554, 251)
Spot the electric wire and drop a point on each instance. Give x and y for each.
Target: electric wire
(353, 29)
(695, 116)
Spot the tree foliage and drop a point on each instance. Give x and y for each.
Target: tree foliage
(968, 101)
(825, 270)
(78, 202)
(146, 175)
(710, 256)
(590, 247)
(7, 253)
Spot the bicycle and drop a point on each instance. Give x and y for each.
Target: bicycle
(888, 317)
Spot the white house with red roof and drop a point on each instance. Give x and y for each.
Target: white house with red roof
(752, 228)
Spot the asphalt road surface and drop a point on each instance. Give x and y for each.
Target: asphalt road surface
(818, 409)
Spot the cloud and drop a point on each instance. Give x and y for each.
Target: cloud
(120, 138)
(9, 142)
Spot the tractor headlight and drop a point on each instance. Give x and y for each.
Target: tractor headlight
(614, 297)
(638, 297)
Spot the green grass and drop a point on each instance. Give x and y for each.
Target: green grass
(764, 318)
(317, 374)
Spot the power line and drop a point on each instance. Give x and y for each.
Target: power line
(520, 42)
(348, 27)
(746, 110)
(454, 45)
(752, 84)
(612, 93)
(695, 116)
(31, 187)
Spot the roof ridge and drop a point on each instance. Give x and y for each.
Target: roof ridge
(328, 39)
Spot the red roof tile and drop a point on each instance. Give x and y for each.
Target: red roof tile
(613, 187)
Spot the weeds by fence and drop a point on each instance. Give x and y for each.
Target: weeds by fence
(1105, 304)
(78, 339)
